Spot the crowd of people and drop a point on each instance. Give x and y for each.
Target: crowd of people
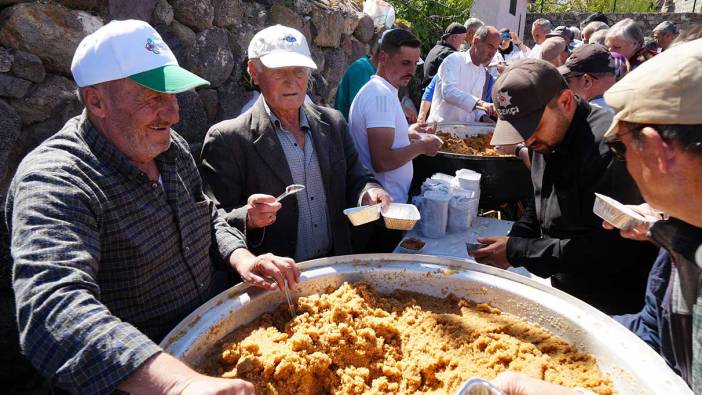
(117, 235)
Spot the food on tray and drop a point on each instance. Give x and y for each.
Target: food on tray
(353, 341)
(472, 145)
(412, 243)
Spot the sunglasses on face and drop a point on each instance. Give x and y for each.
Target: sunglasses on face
(580, 75)
(616, 146)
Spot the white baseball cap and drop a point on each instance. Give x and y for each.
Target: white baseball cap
(130, 49)
(281, 46)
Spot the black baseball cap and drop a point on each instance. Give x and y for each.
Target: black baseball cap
(455, 28)
(520, 96)
(596, 17)
(562, 31)
(589, 58)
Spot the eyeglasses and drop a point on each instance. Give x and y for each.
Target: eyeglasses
(616, 145)
(578, 75)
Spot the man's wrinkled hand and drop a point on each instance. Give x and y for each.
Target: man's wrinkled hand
(512, 383)
(268, 271)
(261, 211)
(218, 386)
(431, 144)
(375, 196)
(494, 253)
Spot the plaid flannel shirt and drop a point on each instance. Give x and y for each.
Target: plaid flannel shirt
(106, 261)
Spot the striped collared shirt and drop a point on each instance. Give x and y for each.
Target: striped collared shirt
(313, 232)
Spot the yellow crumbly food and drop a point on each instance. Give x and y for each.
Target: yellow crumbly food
(354, 341)
(473, 145)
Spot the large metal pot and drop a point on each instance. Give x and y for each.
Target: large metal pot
(505, 178)
(634, 367)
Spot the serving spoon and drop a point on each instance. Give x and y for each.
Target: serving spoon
(290, 190)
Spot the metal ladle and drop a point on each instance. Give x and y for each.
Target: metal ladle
(290, 190)
(291, 306)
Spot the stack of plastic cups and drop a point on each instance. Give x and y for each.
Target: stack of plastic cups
(435, 214)
(469, 180)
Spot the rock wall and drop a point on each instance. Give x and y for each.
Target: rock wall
(209, 37)
(647, 20)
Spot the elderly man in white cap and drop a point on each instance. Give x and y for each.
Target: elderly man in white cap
(111, 232)
(282, 141)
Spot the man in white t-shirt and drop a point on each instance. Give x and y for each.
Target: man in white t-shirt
(461, 83)
(377, 122)
(539, 29)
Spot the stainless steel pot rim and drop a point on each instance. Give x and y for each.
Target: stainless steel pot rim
(634, 366)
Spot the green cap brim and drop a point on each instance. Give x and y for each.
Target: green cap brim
(168, 79)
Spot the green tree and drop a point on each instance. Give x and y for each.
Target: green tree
(429, 18)
(593, 6)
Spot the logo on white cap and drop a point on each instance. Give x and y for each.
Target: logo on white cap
(155, 45)
(281, 46)
(110, 53)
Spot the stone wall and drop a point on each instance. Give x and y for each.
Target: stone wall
(209, 37)
(647, 20)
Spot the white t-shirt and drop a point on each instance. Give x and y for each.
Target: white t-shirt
(377, 105)
(535, 52)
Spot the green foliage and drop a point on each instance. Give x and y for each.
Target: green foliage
(429, 18)
(593, 6)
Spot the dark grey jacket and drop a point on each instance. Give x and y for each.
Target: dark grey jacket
(243, 156)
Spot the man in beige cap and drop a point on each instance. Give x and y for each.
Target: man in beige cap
(552, 50)
(248, 160)
(657, 129)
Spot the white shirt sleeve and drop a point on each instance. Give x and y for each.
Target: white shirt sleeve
(379, 111)
(449, 72)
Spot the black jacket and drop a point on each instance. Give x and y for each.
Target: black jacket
(560, 236)
(434, 59)
(243, 156)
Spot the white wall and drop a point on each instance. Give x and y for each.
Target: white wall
(496, 13)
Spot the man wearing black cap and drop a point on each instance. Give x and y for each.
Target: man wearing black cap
(596, 17)
(559, 236)
(589, 72)
(449, 43)
(564, 32)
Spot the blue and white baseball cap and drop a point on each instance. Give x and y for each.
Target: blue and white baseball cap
(281, 46)
(130, 49)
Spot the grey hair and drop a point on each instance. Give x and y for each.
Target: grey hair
(628, 30)
(483, 32)
(666, 27)
(594, 27)
(473, 24)
(576, 32)
(598, 37)
(79, 95)
(544, 24)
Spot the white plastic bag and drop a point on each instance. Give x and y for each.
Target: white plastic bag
(460, 212)
(435, 214)
(381, 11)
